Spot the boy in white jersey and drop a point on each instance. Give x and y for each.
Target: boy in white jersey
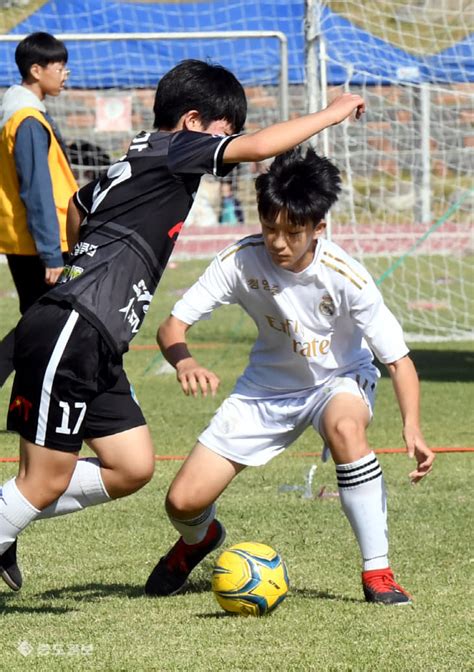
(319, 317)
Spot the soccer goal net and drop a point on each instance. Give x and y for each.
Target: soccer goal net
(406, 206)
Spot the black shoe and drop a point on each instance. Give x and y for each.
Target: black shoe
(9, 570)
(171, 572)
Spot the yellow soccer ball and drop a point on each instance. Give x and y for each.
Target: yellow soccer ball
(250, 579)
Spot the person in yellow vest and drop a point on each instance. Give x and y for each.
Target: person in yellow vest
(36, 181)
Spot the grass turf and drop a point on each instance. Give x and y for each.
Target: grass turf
(82, 606)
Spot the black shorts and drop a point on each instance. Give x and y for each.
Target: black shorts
(68, 386)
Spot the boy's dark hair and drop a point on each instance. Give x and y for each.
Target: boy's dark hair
(209, 88)
(304, 185)
(41, 49)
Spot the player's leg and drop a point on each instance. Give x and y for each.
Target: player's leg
(201, 479)
(56, 379)
(116, 431)
(190, 505)
(243, 432)
(124, 464)
(127, 460)
(43, 476)
(343, 424)
(43, 338)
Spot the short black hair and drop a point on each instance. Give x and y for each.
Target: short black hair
(40, 48)
(209, 88)
(302, 184)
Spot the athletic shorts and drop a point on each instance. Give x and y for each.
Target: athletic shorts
(69, 386)
(253, 431)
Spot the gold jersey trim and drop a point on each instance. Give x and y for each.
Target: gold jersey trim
(341, 272)
(342, 261)
(241, 247)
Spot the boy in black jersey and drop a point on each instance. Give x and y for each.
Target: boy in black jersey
(70, 385)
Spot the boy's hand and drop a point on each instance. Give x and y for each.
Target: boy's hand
(344, 105)
(417, 448)
(193, 377)
(51, 275)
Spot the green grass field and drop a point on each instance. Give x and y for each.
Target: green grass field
(82, 605)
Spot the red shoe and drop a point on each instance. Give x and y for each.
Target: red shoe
(171, 572)
(379, 586)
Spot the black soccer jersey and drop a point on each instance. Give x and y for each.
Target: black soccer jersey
(135, 214)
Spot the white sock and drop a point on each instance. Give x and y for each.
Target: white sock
(86, 488)
(194, 530)
(16, 513)
(364, 501)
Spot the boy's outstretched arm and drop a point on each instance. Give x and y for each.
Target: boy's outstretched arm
(285, 135)
(407, 390)
(192, 376)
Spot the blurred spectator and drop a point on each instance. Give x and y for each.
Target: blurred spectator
(231, 213)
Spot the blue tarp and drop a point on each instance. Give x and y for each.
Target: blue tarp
(355, 55)
(456, 61)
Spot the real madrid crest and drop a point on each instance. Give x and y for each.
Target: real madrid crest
(326, 307)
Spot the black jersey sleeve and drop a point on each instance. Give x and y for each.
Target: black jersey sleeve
(199, 153)
(84, 197)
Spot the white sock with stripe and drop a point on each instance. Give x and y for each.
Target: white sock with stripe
(194, 530)
(364, 501)
(16, 513)
(85, 489)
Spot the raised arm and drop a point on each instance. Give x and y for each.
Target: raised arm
(191, 375)
(407, 390)
(285, 135)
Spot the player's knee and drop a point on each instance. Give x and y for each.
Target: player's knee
(135, 476)
(57, 487)
(143, 473)
(180, 502)
(43, 492)
(346, 432)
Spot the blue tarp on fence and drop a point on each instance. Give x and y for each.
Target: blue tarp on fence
(354, 54)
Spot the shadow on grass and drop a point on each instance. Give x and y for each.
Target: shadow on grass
(441, 365)
(90, 592)
(97, 591)
(198, 586)
(217, 615)
(8, 608)
(294, 592)
(311, 594)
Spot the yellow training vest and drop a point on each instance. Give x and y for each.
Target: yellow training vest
(15, 237)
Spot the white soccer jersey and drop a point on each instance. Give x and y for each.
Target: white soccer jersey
(312, 325)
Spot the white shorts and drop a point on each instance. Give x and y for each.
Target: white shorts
(253, 431)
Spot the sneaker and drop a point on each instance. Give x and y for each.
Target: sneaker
(379, 586)
(171, 572)
(9, 570)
